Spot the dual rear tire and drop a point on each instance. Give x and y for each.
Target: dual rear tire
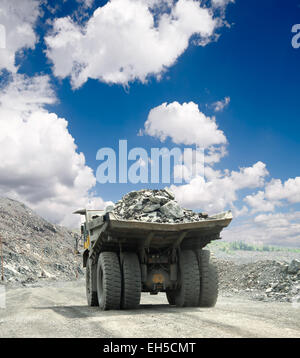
(188, 293)
(199, 280)
(131, 281)
(209, 280)
(118, 283)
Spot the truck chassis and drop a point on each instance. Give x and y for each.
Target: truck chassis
(124, 258)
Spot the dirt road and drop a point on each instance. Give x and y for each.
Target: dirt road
(60, 310)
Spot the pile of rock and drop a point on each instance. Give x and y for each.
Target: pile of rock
(267, 280)
(157, 206)
(35, 249)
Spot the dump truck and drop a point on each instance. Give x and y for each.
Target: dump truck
(126, 257)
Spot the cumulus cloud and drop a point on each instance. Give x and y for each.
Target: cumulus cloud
(258, 202)
(39, 162)
(275, 194)
(272, 229)
(18, 19)
(127, 40)
(207, 189)
(185, 124)
(221, 190)
(220, 105)
(289, 190)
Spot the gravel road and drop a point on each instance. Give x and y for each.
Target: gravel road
(59, 309)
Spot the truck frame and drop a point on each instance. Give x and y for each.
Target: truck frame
(126, 257)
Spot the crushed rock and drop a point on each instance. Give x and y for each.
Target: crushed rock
(33, 248)
(157, 206)
(268, 280)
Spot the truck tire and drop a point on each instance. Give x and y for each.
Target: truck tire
(209, 280)
(188, 294)
(131, 281)
(108, 281)
(171, 297)
(92, 297)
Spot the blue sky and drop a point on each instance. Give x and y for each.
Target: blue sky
(252, 62)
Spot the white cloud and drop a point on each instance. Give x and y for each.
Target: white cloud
(275, 194)
(39, 162)
(18, 18)
(258, 202)
(207, 189)
(289, 190)
(185, 124)
(272, 229)
(220, 105)
(198, 162)
(158, 3)
(221, 190)
(125, 40)
(221, 3)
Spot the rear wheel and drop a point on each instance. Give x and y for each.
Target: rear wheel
(91, 294)
(131, 281)
(188, 294)
(171, 297)
(108, 281)
(209, 280)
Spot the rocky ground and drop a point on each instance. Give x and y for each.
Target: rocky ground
(262, 280)
(261, 275)
(60, 310)
(34, 249)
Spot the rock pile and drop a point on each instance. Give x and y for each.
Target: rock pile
(267, 280)
(35, 249)
(157, 206)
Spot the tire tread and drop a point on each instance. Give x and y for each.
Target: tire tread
(131, 281)
(111, 297)
(188, 294)
(209, 280)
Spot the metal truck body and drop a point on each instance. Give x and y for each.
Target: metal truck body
(125, 257)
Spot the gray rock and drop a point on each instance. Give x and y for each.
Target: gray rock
(109, 208)
(169, 193)
(31, 245)
(158, 199)
(154, 206)
(172, 210)
(265, 278)
(294, 267)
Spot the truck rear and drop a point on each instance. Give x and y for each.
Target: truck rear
(126, 257)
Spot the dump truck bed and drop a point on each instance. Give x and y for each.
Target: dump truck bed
(126, 257)
(159, 235)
